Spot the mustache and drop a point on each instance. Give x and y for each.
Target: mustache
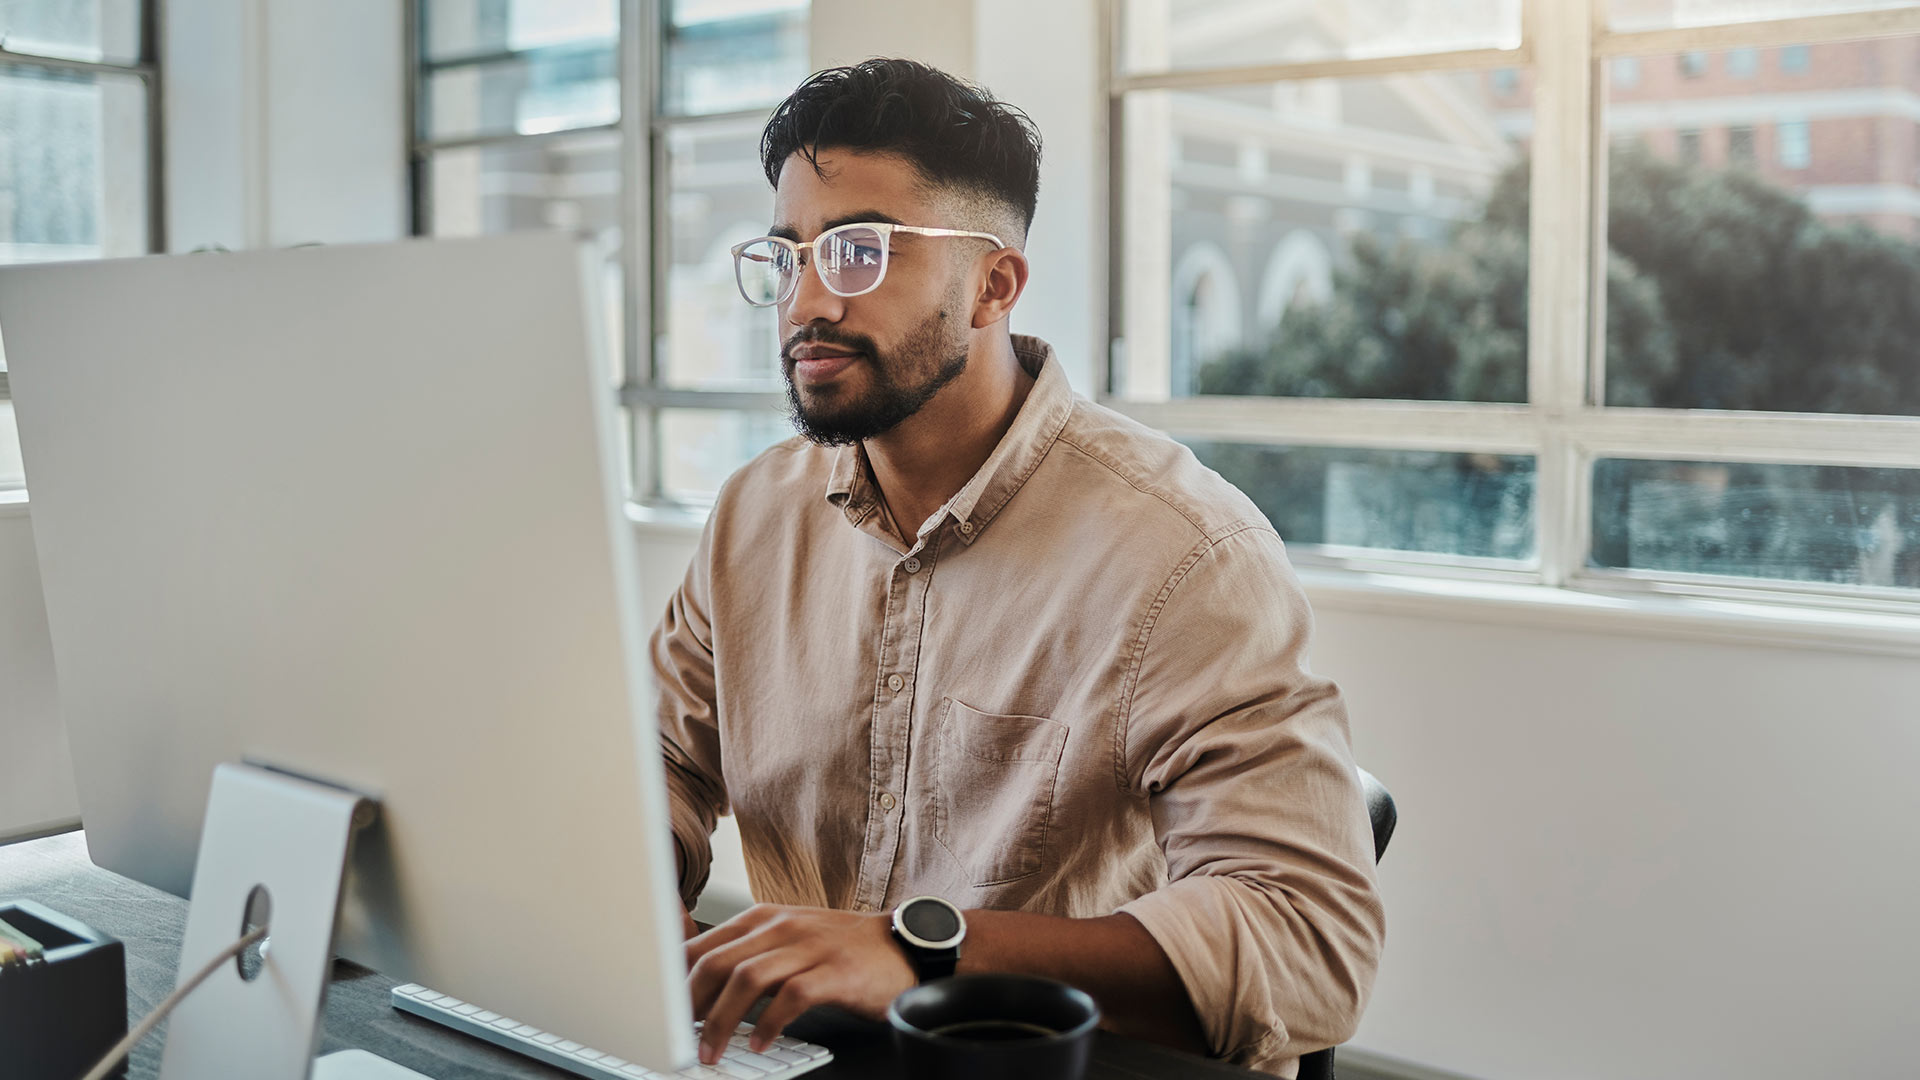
(820, 335)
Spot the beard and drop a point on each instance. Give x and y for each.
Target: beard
(901, 381)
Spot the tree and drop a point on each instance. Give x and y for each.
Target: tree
(1722, 292)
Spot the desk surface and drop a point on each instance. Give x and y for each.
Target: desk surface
(56, 871)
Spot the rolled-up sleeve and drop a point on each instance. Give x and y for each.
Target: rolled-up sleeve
(1271, 914)
(688, 715)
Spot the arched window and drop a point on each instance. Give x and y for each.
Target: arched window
(1206, 313)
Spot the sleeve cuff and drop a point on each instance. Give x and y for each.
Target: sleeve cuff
(1204, 927)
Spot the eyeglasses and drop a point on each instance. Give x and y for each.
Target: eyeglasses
(851, 260)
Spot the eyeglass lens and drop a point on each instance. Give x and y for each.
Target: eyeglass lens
(850, 262)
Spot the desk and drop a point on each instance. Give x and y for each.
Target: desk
(56, 872)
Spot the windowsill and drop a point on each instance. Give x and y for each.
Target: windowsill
(1741, 622)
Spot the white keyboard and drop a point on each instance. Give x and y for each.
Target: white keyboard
(786, 1057)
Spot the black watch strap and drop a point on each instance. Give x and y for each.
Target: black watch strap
(934, 964)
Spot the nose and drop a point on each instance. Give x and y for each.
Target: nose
(812, 301)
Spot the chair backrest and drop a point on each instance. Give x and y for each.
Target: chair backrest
(1380, 810)
(1382, 813)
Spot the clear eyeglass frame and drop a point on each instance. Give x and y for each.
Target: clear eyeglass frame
(852, 251)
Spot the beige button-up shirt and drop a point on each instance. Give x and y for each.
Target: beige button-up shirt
(1082, 689)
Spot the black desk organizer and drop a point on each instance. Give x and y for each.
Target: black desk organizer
(60, 1014)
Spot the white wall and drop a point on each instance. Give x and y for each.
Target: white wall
(285, 122)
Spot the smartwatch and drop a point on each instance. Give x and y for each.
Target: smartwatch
(929, 930)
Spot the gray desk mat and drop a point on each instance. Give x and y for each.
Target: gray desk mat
(56, 871)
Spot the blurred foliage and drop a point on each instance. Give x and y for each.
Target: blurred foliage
(1722, 292)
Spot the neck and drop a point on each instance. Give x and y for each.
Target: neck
(931, 456)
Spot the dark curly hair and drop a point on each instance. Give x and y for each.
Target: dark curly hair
(955, 134)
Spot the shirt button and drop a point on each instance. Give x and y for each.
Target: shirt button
(896, 684)
(886, 800)
(967, 527)
(912, 565)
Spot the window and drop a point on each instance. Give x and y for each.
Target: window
(539, 113)
(1605, 348)
(1687, 145)
(1796, 144)
(76, 153)
(1740, 144)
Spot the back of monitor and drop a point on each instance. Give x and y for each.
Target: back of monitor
(354, 512)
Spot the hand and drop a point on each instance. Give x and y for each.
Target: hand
(688, 928)
(802, 957)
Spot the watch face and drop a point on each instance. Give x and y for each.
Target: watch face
(935, 923)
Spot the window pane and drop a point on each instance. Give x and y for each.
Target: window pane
(717, 197)
(73, 166)
(570, 183)
(101, 31)
(466, 28)
(1664, 14)
(1765, 233)
(726, 55)
(554, 89)
(1472, 505)
(704, 446)
(1792, 522)
(1352, 238)
(11, 474)
(1165, 35)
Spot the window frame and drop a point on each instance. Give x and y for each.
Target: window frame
(1569, 47)
(645, 129)
(147, 70)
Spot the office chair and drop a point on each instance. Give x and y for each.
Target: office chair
(1380, 811)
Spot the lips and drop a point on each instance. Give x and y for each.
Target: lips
(815, 363)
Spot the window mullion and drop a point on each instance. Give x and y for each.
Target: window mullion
(639, 60)
(1561, 35)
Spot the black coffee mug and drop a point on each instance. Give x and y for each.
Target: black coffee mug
(1009, 1027)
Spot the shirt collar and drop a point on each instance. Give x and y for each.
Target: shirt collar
(1035, 428)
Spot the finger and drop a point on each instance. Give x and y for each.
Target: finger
(796, 996)
(713, 970)
(732, 930)
(752, 979)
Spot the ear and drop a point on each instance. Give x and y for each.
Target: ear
(1005, 278)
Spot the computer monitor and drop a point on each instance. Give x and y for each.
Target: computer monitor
(356, 512)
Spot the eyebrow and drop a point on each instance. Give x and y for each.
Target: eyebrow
(791, 233)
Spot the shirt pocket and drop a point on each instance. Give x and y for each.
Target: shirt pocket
(994, 778)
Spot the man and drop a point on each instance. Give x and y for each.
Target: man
(974, 638)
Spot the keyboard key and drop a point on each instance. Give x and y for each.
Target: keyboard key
(612, 1062)
(506, 1023)
(546, 1038)
(758, 1061)
(485, 1017)
(410, 989)
(635, 1070)
(585, 1054)
(468, 1010)
(568, 1046)
(790, 1057)
(739, 1071)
